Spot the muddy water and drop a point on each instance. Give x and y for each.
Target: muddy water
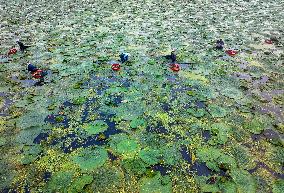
(275, 110)
(264, 166)
(7, 103)
(268, 95)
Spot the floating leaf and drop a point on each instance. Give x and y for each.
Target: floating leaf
(59, 181)
(79, 100)
(150, 156)
(192, 76)
(96, 127)
(256, 125)
(124, 146)
(216, 159)
(216, 111)
(278, 186)
(90, 159)
(245, 182)
(2, 141)
(79, 184)
(232, 93)
(135, 166)
(135, 123)
(220, 132)
(155, 184)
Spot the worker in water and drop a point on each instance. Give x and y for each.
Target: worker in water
(219, 44)
(37, 73)
(22, 46)
(124, 57)
(172, 57)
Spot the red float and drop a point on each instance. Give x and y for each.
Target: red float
(115, 67)
(37, 74)
(268, 41)
(231, 52)
(12, 51)
(175, 67)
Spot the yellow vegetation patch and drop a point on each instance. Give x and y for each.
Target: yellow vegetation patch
(193, 76)
(262, 46)
(164, 117)
(255, 63)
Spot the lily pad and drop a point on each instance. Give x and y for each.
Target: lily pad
(2, 141)
(90, 159)
(80, 182)
(136, 123)
(216, 159)
(155, 184)
(79, 100)
(244, 180)
(256, 125)
(96, 127)
(59, 181)
(150, 156)
(196, 112)
(124, 146)
(278, 186)
(221, 132)
(232, 93)
(32, 150)
(216, 111)
(135, 166)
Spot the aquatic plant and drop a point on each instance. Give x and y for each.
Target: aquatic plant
(32, 119)
(228, 187)
(79, 100)
(59, 181)
(90, 159)
(78, 85)
(193, 76)
(206, 187)
(216, 159)
(27, 136)
(135, 166)
(2, 141)
(244, 180)
(138, 123)
(124, 146)
(158, 183)
(210, 107)
(129, 111)
(196, 112)
(170, 155)
(255, 125)
(30, 153)
(232, 93)
(242, 156)
(150, 156)
(79, 183)
(52, 107)
(108, 179)
(221, 133)
(216, 111)
(278, 186)
(96, 127)
(59, 118)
